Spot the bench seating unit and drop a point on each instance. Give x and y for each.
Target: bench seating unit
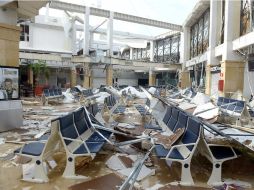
(231, 106)
(93, 109)
(113, 106)
(87, 92)
(76, 143)
(144, 110)
(51, 94)
(216, 154)
(162, 123)
(40, 151)
(182, 151)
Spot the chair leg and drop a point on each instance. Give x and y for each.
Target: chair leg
(186, 177)
(69, 171)
(215, 178)
(39, 173)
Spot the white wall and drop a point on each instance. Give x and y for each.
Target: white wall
(47, 38)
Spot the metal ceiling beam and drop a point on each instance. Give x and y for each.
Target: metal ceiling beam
(118, 16)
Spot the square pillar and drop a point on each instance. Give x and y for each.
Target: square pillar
(30, 77)
(86, 32)
(87, 76)
(208, 80)
(185, 81)
(110, 33)
(232, 74)
(73, 78)
(151, 51)
(109, 75)
(9, 45)
(152, 78)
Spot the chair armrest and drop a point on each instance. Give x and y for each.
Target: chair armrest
(177, 146)
(78, 140)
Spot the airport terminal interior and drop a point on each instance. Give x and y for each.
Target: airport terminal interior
(126, 95)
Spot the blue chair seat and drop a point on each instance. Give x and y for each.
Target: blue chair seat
(44, 137)
(162, 153)
(95, 137)
(106, 134)
(34, 149)
(94, 147)
(221, 152)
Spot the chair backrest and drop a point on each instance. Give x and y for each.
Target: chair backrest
(236, 106)
(182, 121)
(173, 119)
(112, 100)
(192, 132)
(148, 102)
(79, 120)
(59, 91)
(107, 101)
(46, 92)
(55, 92)
(95, 109)
(51, 92)
(87, 119)
(67, 128)
(167, 115)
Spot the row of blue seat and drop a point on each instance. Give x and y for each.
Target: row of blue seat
(87, 92)
(233, 105)
(110, 102)
(175, 119)
(144, 110)
(52, 92)
(80, 120)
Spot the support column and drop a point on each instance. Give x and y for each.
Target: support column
(232, 29)
(86, 83)
(232, 73)
(131, 53)
(73, 78)
(185, 81)
(232, 65)
(109, 75)
(91, 78)
(152, 78)
(86, 32)
(110, 34)
(211, 59)
(74, 39)
(151, 51)
(30, 77)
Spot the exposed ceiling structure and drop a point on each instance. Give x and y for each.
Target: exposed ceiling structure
(117, 16)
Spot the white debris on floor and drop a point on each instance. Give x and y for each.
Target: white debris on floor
(134, 92)
(152, 90)
(126, 125)
(200, 99)
(239, 183)
(212, 111)
(117, 165)
(68, 97)
(144, 172)
(101, 97)
(2, 140)
(80, 88)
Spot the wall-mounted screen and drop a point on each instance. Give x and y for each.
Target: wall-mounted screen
(9, 83)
